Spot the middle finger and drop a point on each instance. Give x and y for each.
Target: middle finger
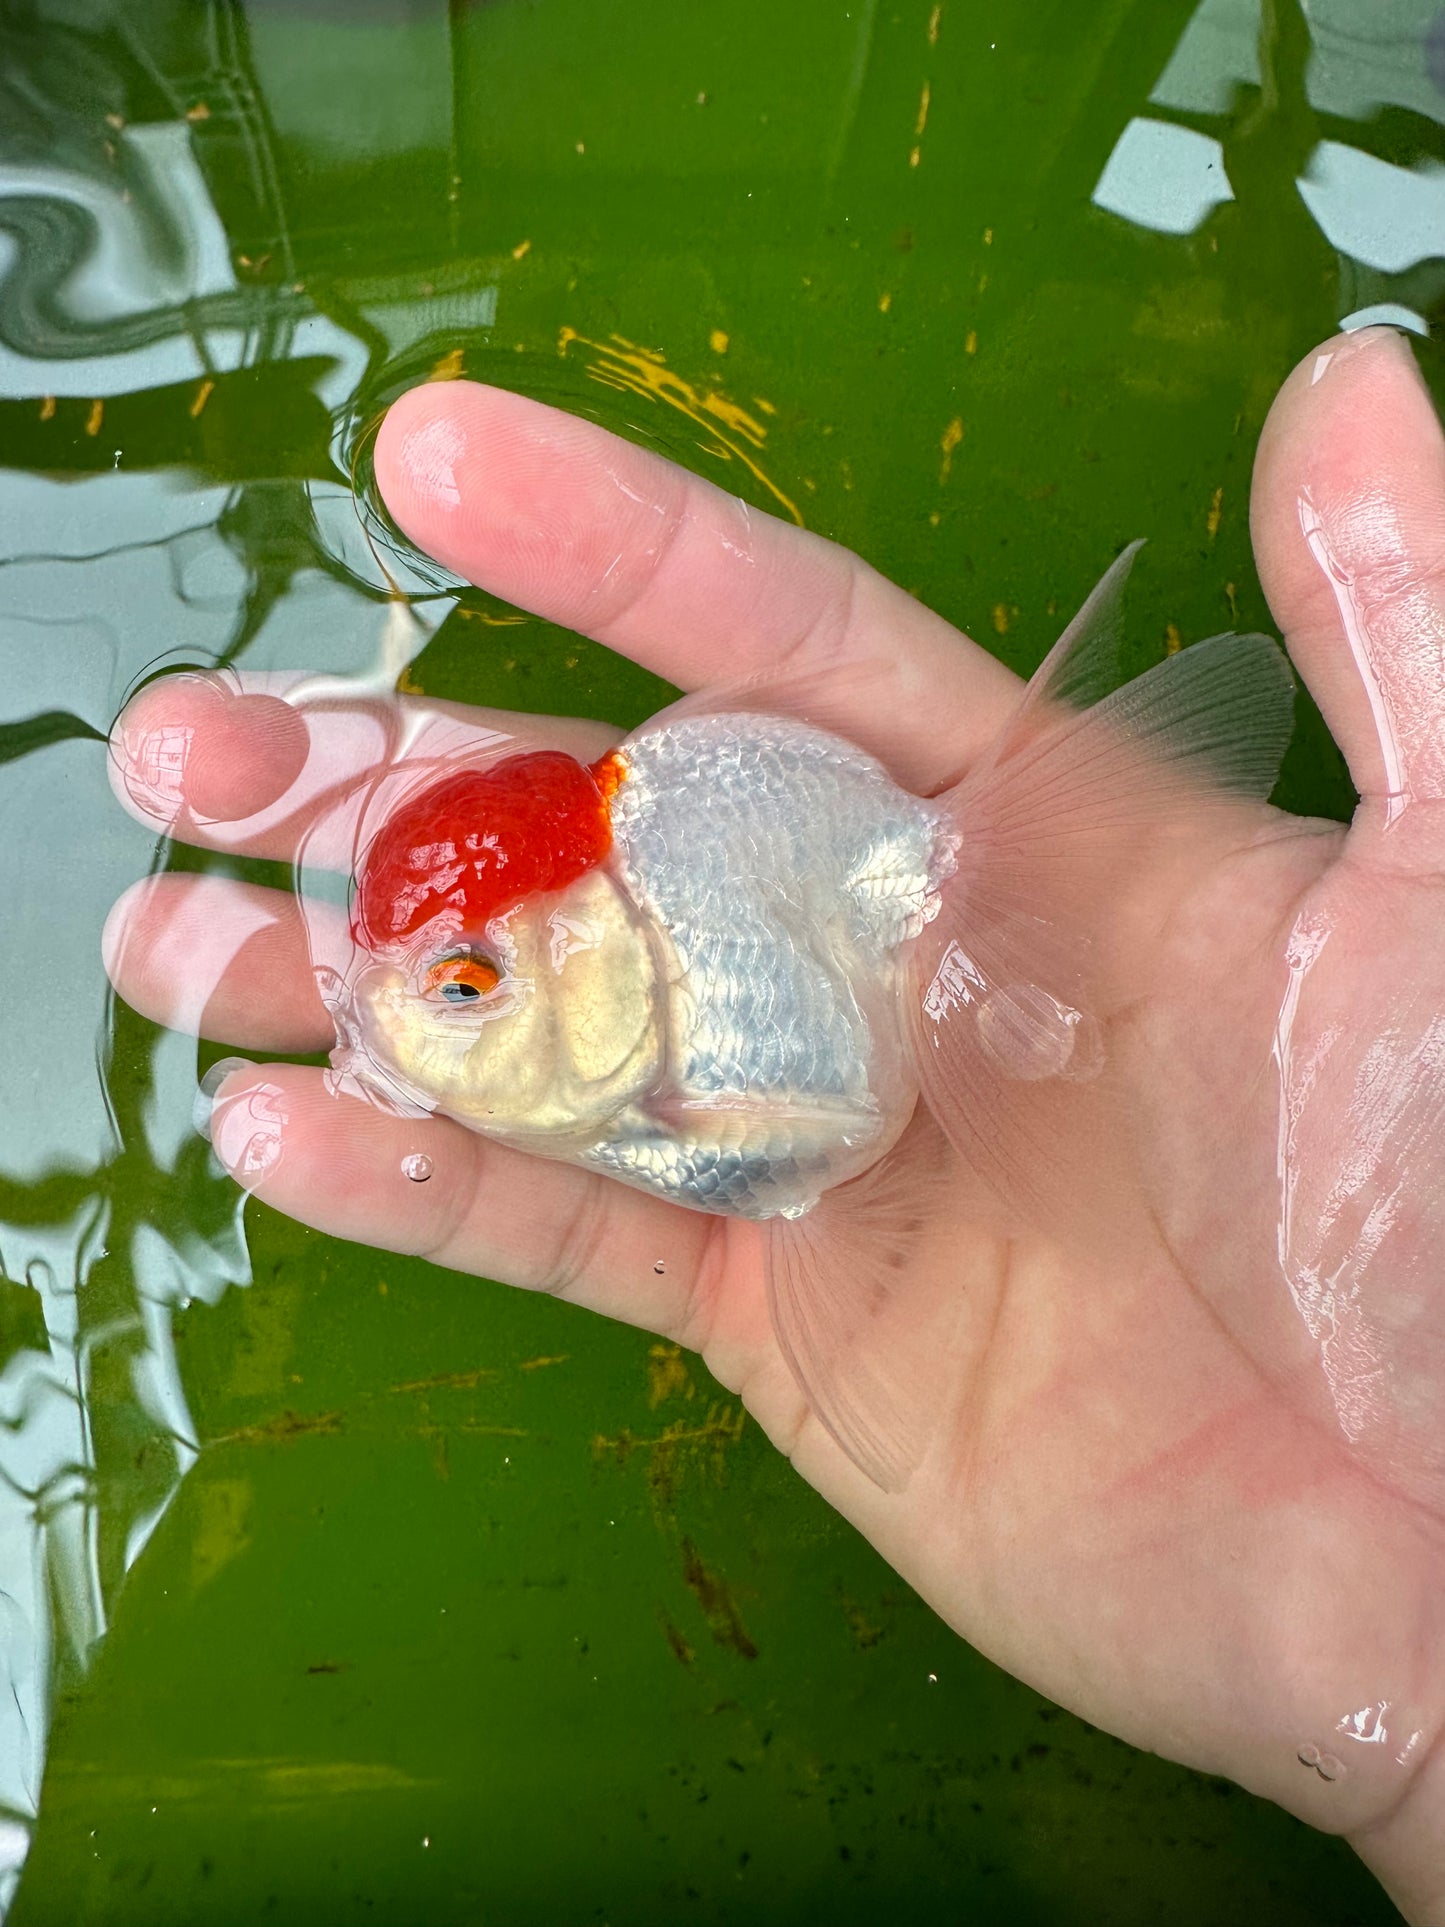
(275, 764)
(226, 960)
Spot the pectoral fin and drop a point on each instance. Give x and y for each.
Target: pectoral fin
(867, 1300)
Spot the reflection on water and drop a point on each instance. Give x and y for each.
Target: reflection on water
(230, 235)
(96, 1433)
(1383, 210)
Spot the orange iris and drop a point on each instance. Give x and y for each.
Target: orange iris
(462, 980)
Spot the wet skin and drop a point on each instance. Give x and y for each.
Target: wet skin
(1176, 1485)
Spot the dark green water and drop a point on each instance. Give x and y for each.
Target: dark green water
(337, 1588)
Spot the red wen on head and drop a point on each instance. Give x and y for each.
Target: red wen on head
(475, 844)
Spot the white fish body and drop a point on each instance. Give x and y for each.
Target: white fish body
(784, 872)
(712, 1014)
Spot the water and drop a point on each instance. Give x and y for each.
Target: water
(337, 1588)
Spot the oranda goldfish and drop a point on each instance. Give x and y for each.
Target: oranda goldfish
(722, 963)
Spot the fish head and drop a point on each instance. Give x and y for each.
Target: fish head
(503, 976)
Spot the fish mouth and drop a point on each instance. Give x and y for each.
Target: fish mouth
(354, 1071)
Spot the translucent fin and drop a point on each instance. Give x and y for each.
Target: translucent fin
(1080, 832)
(1084, 664)
(1220, 711)
(866, 1307)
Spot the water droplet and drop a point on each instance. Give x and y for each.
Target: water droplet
(1325, 1764)
(933, 1679)
(659, 1267)
(417, 1166)
(1031, 1036)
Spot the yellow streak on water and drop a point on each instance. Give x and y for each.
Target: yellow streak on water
(222, 1531)
(623, 365)
(449, 1381)
(277, 1779)
(667, 1375)
(491, 619)
(952, 436)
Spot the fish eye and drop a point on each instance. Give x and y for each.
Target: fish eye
(461, 980)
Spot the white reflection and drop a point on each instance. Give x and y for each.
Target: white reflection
(125, 272)
(1387, 314)
(14, 1845)
(149, 252)
(1364, 55)
(96, 591)
(1387, 217)
(1384, 53)
(1217, 53)
(1163, 177)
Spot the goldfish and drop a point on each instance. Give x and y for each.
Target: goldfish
(728, 962)
(679, 967)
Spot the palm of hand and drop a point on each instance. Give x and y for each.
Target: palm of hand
(1184, 1481)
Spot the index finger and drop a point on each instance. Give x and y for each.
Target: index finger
(557, 515)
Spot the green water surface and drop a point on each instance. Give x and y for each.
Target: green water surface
(337, 1588)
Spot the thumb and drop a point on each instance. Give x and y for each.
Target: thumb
(1349, 530)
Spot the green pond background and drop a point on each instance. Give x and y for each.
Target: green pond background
(337, 1588)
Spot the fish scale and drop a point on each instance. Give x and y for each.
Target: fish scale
(783, 869)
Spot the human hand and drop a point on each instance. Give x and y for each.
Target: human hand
(1189, 1482)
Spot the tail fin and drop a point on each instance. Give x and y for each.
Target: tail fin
(1078, 830)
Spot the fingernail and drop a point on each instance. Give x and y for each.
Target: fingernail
(1355, 342)
(199, 742)
(204, 1102)
(152, 754)
(248, 1132)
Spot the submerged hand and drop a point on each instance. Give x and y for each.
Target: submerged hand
(1191, 1482)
